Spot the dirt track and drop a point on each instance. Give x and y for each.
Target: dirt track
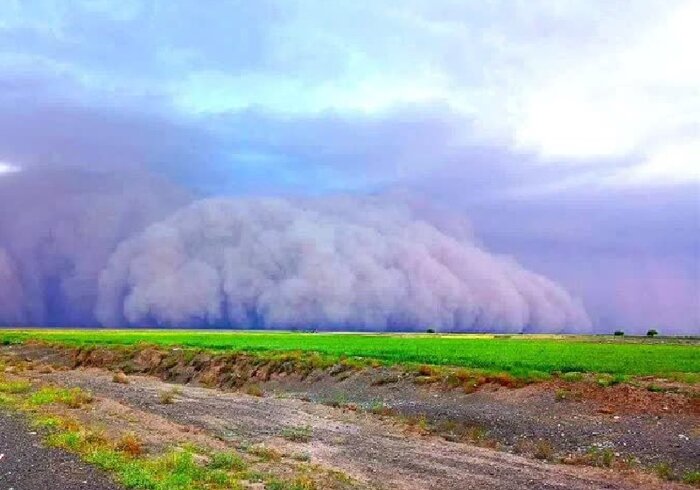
(376, 452)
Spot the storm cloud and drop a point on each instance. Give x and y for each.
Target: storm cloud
(57, 230)
(564, 134)
(345, 263)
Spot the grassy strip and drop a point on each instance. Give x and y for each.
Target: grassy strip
(521, 356)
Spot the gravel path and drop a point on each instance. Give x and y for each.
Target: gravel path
(361, 445)
(27, 465)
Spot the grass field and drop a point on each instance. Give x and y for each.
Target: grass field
(519, 355)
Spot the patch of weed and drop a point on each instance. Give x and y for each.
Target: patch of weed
(572, 376)
(692, 478)
(663, 471)
(120, 378)
(47, 422)
(254, 390)
(543, 450)
(265, 453)
(297, 434)
(380, 408)
(227, 461)
(71, 397)
(15, 387)
(167, 397)
(130, 444)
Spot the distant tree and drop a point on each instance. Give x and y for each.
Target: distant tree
(430, 330)
(618, 333)
(652, 333)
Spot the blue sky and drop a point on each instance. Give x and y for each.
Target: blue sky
(568, 132)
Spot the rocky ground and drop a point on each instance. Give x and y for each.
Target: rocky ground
(384, 431)
(25, 464)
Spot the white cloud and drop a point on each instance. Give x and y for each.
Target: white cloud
(671, 164)
(641, 97)
(8, 168)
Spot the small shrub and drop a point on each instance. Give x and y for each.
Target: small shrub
(663, 471)
(426, 370)
(130, 444)
(15, 387)
(120, 378)
(522, 446)
(227, 461)
(297, 434)
(302, 483)
(77, 398)
(607, 457)
(652, 333)
(70, 440)
(599, 457)
(381, 408)
(94, 437)
(418, 423)
(166, 397)
(572, 376)
(543, 450)
(618, 333)
(303, 457)
(692, 478)
(48, 423)
(45, 369)
(337, 401)
(502, 379)
(254, 390)
(265, 453)
(430, 330)
(477, 435)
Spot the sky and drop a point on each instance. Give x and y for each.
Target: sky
(566, 132)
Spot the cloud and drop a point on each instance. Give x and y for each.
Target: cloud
(564, 130)
(345, 263)
(71, 221)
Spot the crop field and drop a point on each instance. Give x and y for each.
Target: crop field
(519, 354)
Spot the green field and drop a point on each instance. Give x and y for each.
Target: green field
(519, 354)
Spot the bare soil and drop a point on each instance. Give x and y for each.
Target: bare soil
(27, 465)
(419, 442)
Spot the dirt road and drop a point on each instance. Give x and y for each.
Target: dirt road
(376, 452)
